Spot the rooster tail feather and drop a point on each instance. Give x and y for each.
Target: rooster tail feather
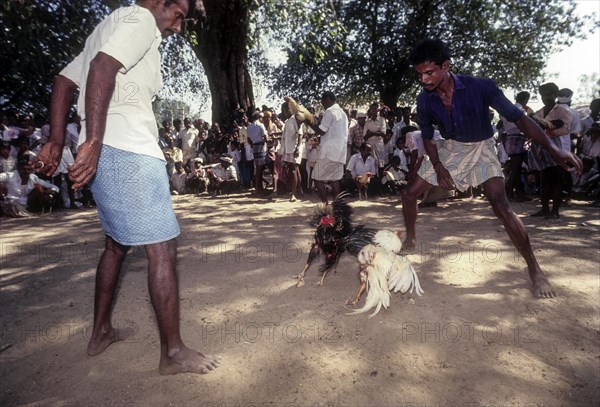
(358, 237)
(378, 294)
(403, 277)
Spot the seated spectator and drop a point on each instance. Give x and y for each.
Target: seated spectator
(7, 161)
(25, 192)
(361, 173)
(222, 177)
(174, 157)
(178, 181)
(394, 176)
(197, 180)
(414, 142)
(60, 178)
(590, 156)
(402, 152)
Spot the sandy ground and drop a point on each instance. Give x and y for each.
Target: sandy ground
(476, 337)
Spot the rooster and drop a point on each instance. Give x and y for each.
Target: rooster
(334, 235)
(384, 269)
(300, 112)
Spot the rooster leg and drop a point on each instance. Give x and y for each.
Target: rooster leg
(320, 283)
(300, 276)
(314, 252)
(361, 289)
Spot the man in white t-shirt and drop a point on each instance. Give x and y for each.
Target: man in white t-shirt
(118, 154)
(362, 170)
(331, 157)
(189, 140)
(374, 133)
(292, 148)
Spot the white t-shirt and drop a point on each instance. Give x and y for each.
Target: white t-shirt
(414, 141)
(289, 138)
(16, 191)
(357, 166)
(333, 142)
(65, 162)
(379, 151)
(129, 35)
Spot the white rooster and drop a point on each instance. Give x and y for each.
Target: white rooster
(384, 269)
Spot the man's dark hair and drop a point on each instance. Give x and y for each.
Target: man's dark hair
(430, 50)
(595, 104)
(549, 87)
(364, 146)
(195, 8)
(328, 95)
(407, 129)
(522, 96)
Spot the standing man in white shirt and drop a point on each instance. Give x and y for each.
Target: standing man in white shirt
(189, 140)
(119, 73)
(331, 157)
(292, 148)
(374, 132)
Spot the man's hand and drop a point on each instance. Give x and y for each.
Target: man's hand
(84, 168)
(443, 177)
(48, 159)
(567, 160)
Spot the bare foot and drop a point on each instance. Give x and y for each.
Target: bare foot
(187, 360)
(542, 288)
(104, 339)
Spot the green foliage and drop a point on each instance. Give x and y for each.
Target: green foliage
(184, 80)
(360, 48)
(589, 88)
(39, 38)
(59, 29)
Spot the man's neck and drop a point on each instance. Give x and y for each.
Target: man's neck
(446, 87)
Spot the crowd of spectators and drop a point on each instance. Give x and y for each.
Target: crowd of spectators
(254, 154)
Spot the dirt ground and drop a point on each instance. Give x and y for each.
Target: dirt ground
(476, 337)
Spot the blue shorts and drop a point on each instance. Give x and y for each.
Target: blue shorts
(133, 198)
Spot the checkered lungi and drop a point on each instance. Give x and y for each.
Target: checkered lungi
(469, 164)
(133, 198)
(327, 170)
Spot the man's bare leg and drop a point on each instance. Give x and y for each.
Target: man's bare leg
(321, 191)
(336, 188)
(107, 275)
(175, 357)
(295, 181)
(495, 193)
(415, 188)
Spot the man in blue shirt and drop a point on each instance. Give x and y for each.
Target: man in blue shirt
(458, 105)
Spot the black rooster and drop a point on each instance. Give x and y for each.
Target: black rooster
(334, 235)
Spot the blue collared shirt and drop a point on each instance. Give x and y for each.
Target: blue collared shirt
(470, 120)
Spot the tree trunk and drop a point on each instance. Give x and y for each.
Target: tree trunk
(221, 49)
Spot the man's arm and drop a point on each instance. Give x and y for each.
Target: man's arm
(563, 158)
(98, 92)
(63, 90)
(350, 168)
(443, 176)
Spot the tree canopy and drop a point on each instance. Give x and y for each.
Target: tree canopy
(39, 38)
(363, 51)
(357, 48)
